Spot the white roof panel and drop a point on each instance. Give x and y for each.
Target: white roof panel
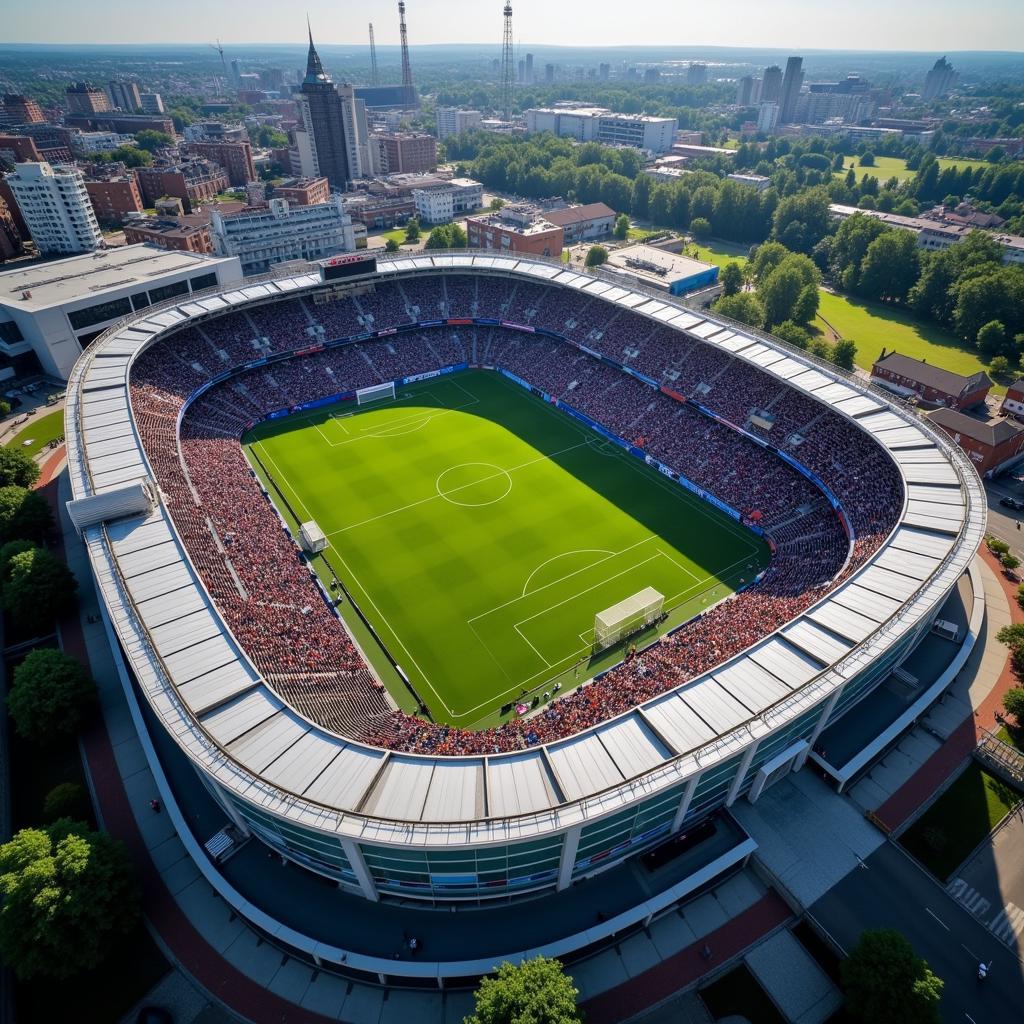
(456, 791)
(260, 746)
(790, 665)
(843, 621)
(677, 723)
(238, 716)
(519, 784)
(750, 683)
(401, 790)
(714, 705)
(632, 745)
(302, 761)
(815, 640)
(344, 782)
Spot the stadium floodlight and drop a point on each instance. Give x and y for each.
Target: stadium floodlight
(627, 617)
(375, 393)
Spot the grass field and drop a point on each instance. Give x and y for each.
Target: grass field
(480, 530)
(720, 253)
(887, 167)
(874, 326)
(39, 432)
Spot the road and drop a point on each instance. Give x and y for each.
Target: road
(892, 891)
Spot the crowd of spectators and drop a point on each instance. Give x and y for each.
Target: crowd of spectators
(270, 597)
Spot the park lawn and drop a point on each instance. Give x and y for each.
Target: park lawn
(40, 432)
(720, 253)
(887, 167)
(874, 326)
(944, 836)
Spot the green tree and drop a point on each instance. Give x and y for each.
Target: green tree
(782, 292)
(1013, 704)
(887, 983)
(701, 227)
(17, 467)
(731, 279)
(67, 893)
(891, 266)
(496, 203)
(844, 353)
(793, 333)
(621, 226)
(867, 160)
(151, 141)
(5, 407)
(802, 220)
(130, 156)
(999, 366)
(391, 245)
(51, 695)
(24, 514)
(992, 338)
(744, 307)
(1009, 561)
(806, 308)
(37, 588)
(537, 991)
(447, 236)
(596, 255)
(66, 800)
(412, 230)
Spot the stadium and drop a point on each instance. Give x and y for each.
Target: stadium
(460, 579)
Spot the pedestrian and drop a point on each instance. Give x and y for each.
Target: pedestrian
(705, 952)
(155, 805)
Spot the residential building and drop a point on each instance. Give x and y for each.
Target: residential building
(193, 181)
(791, 83)
(1013, 403)
(303, 191)
(587, 124)
(939, 81)
(127, 124)
(929, 383)
(55, 205)
(771, 84)
(755, 181)
(549, 73)
(12, 208)
(378, 213)
(49, 312)
(22, 110)
(151, 103)
(697, 74)
(124, 95)
(52, 141)
(12, 242)
(234, 157)
(85, 143)
(114, 195)
(405, 152)
(745, 91)
(453, 121)
(442, 202)
(16, 149)
(661, 269)
(517, 227)
(86, 99)
(992, 445)
(173, 233)
(583, 223)
(281, 232)
(215, 131)
(767, 116)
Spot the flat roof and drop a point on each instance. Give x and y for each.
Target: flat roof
(576, 214)
(93, 274)
(676, 266)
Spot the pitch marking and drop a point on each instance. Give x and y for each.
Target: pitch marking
(566, 554)
(473, 504)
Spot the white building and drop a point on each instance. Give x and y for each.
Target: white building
(99, 142)
(453, 121)
(56, 207)
(283, 231)
(755, 181)
(597, 124)
(49, 312)
(439, 204)
(767, 116)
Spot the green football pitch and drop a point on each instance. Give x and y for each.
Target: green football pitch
(480, 530)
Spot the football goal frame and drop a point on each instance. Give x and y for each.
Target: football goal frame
(375, 393)
(622, 620)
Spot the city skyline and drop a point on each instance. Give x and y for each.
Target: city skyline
(792, 24)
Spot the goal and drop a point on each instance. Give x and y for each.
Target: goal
(375, 393)
(627, 617)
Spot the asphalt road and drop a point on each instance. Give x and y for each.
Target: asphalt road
(892, 891)
(1002, 522)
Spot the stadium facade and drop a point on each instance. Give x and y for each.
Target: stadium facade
(386, 824)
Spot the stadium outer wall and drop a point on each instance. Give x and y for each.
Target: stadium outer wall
(556, 814)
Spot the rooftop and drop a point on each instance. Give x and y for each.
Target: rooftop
(991, 433)
(931, 376)
(92, 274)
(576, 214)
(647, 261)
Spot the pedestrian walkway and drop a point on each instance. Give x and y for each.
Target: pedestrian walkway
(793, 980)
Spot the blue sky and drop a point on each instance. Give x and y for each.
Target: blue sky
(927, 25)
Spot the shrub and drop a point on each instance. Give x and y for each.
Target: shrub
(66, 800)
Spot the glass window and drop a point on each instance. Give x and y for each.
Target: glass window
(100, 313)
(168, 291)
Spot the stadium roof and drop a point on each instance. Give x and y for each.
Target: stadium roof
(229, 721)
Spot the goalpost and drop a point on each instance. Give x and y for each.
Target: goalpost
(375, 393)
(627, 617)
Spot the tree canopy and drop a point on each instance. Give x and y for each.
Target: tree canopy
(596, 255)
(51, 695)
(24, 514)
(37, 587)
(537, 991)
(67, 892)
(17, 467)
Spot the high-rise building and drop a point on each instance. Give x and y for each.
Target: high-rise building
(452, 121)
(604, 72)
(406, 152)
(549, 72)
(791, 83)
(22, 110)
(124, 95)
(236, 74)
(745, 91)
(939, 81)
(84, 98)
(767, 116)
(697, 74)
(151, 102)
(56, 207)
(529, 69)
(331, 131)
(234, 157)
(771, 84)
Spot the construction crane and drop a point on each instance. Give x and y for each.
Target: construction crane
(507, 72)
(223, 62)
(374, 80)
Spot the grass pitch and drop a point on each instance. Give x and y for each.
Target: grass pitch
(480, 531)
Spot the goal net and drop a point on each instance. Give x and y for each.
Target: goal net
(375, 393)
(626, 617)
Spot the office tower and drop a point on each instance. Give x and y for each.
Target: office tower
(744, 91)
(86, 99)
(697, 74)
(124, 96)
(939, 81)
(771, 84)
(791, 82)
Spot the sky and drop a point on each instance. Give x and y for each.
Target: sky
(926, 25)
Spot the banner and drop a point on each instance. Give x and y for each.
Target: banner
(673, 394)
(511, 376)
(517, 327)
(342, 396)
(457, 322)
(639, 376)
(256, 362)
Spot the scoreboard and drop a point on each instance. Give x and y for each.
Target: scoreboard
(339, 268)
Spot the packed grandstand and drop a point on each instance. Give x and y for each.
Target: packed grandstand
(268, 595)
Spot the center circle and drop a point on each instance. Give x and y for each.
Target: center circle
(473, 484)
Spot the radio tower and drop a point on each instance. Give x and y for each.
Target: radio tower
(507, 73)
(406, 69)
(374, 80)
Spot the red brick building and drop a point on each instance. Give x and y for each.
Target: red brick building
(1013, 403)
(13, 209)
(193, 181)
(304, 191)
(234, 157)
(22, 110)
(914, 377)
(406, 152)
(990, 446)
(114, 197)
(21, 148)
(11, 239)
(86, 99)
(515, 229)
(169, 233)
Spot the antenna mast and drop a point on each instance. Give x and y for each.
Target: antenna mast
(507, 73)
(374, 80)
(406, 69)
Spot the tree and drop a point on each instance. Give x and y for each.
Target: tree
(151, 141)
(496, 203)
(37, 588)
(793, 333)
(24, 514)
(992, 339)
(802, 220)
(1009, 561)
(67, 893)
(447, 236)
(5, 407)
(51, 695)
(744, 307)
(806, 308)
(765, 258)
(17, 467)
(130, 156)
(892, 263)
(1013, 704)
(621, 226)
(844, 352)
(999, 366)
(66, 800)
(412, 230)
(596, 255)
(887, 983)
(867, 160)
(391, 245)
(537, 991)
(701, 227)
(731, 279)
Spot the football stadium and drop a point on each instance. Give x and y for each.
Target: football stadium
(460, 579)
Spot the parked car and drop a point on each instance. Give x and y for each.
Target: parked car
(1015, 503)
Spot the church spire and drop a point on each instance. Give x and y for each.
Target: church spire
(314, 69)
